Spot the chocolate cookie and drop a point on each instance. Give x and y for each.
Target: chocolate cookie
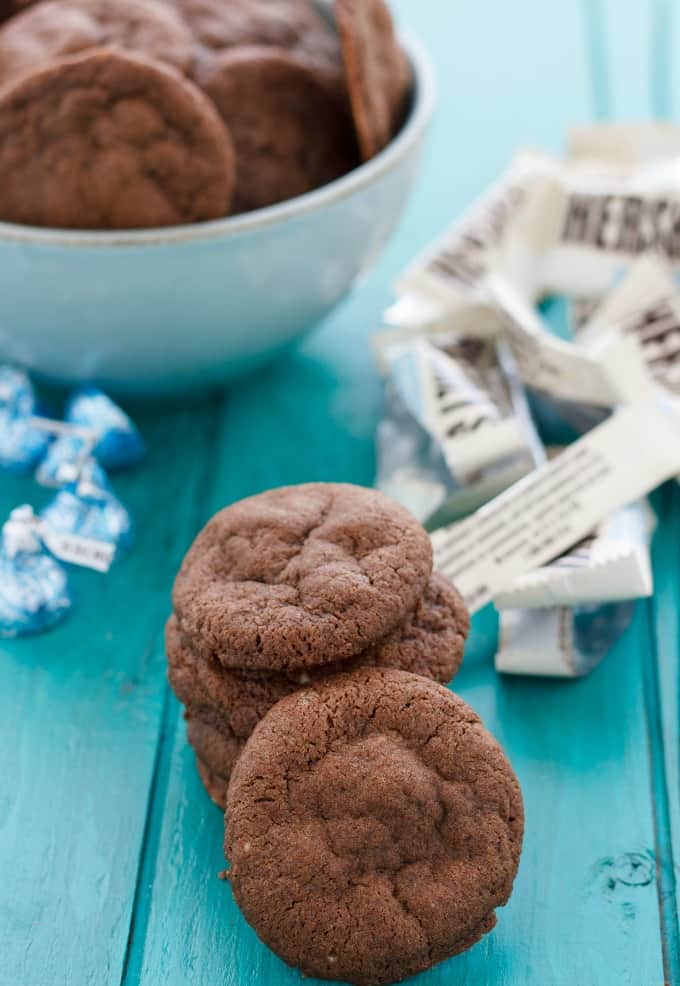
(430, 643)
(290, 132)
(8, 8)
(224, 706)
(110, 141)
(373, 826)
(65, 27)
(377, 70)
(214, 745)
(218, 25)
(301, 576)
(215, 786)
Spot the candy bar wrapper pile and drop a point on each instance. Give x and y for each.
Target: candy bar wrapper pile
(84, 523)
(566, 547)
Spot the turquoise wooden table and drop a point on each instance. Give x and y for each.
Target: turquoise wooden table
(109, 848)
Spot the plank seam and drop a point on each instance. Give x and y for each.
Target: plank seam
(595, 32)
(160, 778)
(665, 870)
(139, 919)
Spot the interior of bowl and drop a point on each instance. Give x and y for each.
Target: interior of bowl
(411, 132)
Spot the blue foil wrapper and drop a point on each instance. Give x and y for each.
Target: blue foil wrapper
(21, 445)
(33, 586)
(63, 461)
(115, 443)
(89, 508)
(119, 444)
(17, 396)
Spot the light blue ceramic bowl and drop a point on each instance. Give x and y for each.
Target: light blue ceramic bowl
(155, 311)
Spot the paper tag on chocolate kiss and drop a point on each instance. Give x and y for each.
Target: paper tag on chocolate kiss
(77, 550)
(544, 514)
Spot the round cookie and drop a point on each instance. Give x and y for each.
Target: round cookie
(377, 70)
(301, 576)
(56, 28)
(106, 140)
(373, 826)
(291, 134)
(430, 643)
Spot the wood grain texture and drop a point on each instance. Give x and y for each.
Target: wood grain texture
(638, 59)
(663, 656)
(585, 909)
(109, 848)
(80, 712)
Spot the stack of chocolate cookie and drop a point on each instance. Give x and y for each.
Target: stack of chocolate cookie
(121, 114)
(290, 586)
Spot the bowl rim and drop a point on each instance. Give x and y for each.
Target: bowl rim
(341, 188)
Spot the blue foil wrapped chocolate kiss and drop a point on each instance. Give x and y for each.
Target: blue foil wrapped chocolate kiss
(88, 508)
(100, 429)
(21, 444)
(33, 586)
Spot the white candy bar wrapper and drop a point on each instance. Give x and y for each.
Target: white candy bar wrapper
(449, 272)
(608, 371)
(598, 375)
(553, 508)
(559, 642)
(581, 311)
(457, 429)
(610, 565)
(621, 145)
(646, 305)
(414, 315)
(580, 230)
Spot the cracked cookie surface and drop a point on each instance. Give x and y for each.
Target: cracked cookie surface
(430, 643)
(373, 826)
(105, 140)
(224, 706)
(301, 576)
(57, 28)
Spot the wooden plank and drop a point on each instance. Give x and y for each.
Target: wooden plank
(663, 712)
(587, 879)
(80, 710)
(578, 915)
(639, 41)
